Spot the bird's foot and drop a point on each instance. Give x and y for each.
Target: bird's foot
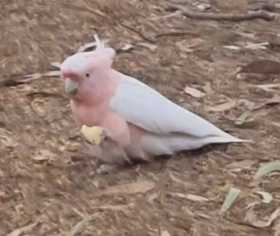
(105, 169)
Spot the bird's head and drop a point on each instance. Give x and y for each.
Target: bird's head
(83, 69)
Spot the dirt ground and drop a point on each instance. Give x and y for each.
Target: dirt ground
(47, 187)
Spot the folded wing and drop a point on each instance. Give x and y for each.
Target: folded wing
(146, 108)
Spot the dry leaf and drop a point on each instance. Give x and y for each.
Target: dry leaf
(190, 197)
(253, 220)
(230, 199)
(189, 45)
(43, 155)
(262, 66)
(269, 102)
(276, 227)
(77, 229)
(244, 119)
(223, 107)
(256, 46)
(203, 6)
(249, 105)
(54, 73)
(208, 88)
(252, 204)
(165, 233)
(267, 168)
(132, 188)
(194, 92)
(56, 65)
(247, 35)
(177, 180)
(35, 76)
(232, 47)
(7, 139)
(150, 46)
(23, 229)
(39, 106)
(122, 208)
(40, 158)
(194, 42)
(196, 198)
(240, 165)
(72, 146)
(273, 101)
(267, 87)
(277, 124)
(266, 197)
(126, 47)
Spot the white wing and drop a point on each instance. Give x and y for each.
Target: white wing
(146, 108)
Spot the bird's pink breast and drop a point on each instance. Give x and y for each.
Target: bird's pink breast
(88, 114)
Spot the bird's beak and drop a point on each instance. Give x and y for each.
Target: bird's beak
(71, 87)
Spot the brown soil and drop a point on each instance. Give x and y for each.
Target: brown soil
(44, 178)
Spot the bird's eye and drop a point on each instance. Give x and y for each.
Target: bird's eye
(87, 75)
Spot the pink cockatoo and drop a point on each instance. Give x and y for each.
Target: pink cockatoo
(139, 120)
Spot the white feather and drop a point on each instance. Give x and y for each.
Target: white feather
(155, 145)
(100, 44)
(146, 108)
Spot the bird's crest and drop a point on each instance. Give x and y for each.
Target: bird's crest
(95, 53)
(99, 44)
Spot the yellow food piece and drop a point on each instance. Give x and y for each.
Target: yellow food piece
(94, 134)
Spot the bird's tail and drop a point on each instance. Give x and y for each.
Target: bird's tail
(227, 138)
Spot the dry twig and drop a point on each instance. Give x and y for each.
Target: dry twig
(18, 79)
(130, 28)
(261, 14)
(77, 229)
(24, 229)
